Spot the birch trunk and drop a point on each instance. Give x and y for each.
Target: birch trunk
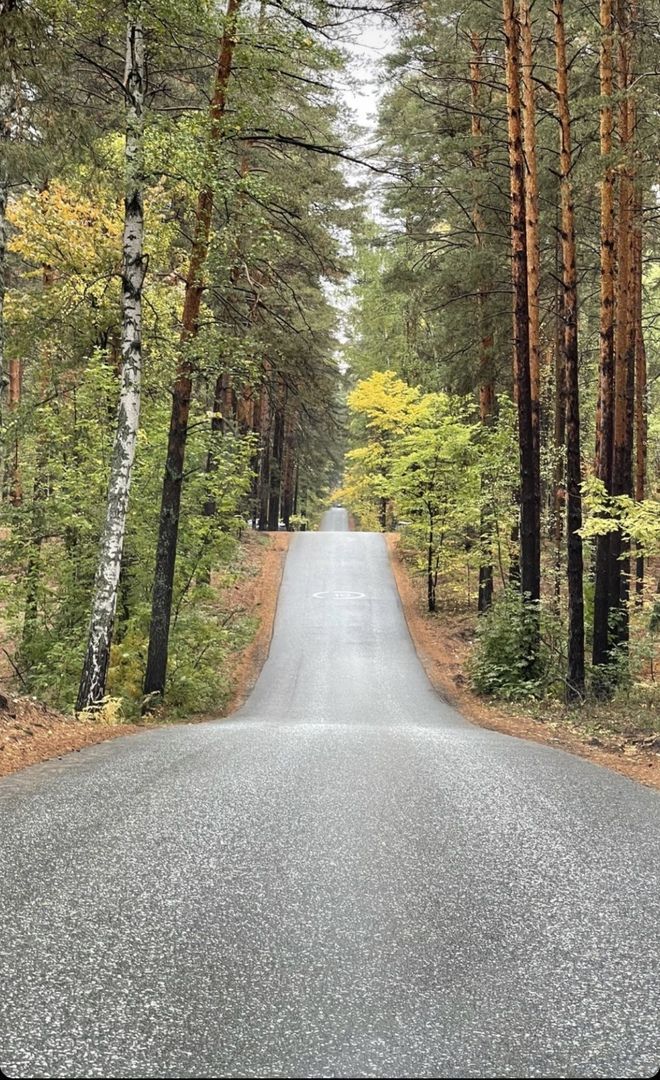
(575, 673)
(168, 530)
(93, 679)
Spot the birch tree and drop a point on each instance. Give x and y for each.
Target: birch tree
(92, 682)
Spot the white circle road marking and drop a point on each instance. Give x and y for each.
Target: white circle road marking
(338, 595)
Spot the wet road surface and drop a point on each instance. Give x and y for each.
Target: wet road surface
(344, 879)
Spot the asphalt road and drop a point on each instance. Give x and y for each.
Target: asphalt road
(346, 879)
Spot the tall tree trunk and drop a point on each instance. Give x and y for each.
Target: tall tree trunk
(575, 673)
(605, 429)
(14, 400)
(277, 453)
(430, 576)
(530, 560)
(97, 656)
(559, 494)
(641, 393)
(532, 234)
(161, 606)
(4, 381)
(8, 12)
(486, 387)
(289, 467)
(624, 361)
(266, 442)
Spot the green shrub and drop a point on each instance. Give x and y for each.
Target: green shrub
(502, 663)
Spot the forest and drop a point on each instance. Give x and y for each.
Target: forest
(225, 305)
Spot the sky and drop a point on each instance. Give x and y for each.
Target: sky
(368, 43)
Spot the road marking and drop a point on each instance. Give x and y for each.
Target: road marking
(333, 594)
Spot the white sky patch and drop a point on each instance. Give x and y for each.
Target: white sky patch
(367, 41)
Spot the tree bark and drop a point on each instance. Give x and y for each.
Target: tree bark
(532, 234)
(277, 452)
(430, 576)
(559, 495)
(14, 400)
(93, 679)
(486, 387)
(289, 467)
(263, 472)
(605, 429)
(624, 356)
(4, 380)
(575, 673)
(641, 398)
(530, 563)
(161, 606)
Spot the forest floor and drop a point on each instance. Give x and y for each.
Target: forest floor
(31, 732)
(620, 737)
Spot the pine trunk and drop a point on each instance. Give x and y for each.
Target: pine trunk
(275, 487)
(289, 469)
(14, 400)
(575, 673)
(486, 387)
(559, 494)
(263, 465)
(4, 193)
(530, 567)
(532, 234)
(624, 358)
(97, 656)
(161, 606)
(641, 398)
(605, 429)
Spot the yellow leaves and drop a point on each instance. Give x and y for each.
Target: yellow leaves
(67, 231)
(386, 401)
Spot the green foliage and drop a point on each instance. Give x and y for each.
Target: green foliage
(266, 327)
(637, 521)
(502, 663)
(436, 470)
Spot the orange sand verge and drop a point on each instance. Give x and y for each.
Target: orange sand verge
(259, 593)
(442, 646)
(31, 732)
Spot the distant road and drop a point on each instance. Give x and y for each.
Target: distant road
(346, 879)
